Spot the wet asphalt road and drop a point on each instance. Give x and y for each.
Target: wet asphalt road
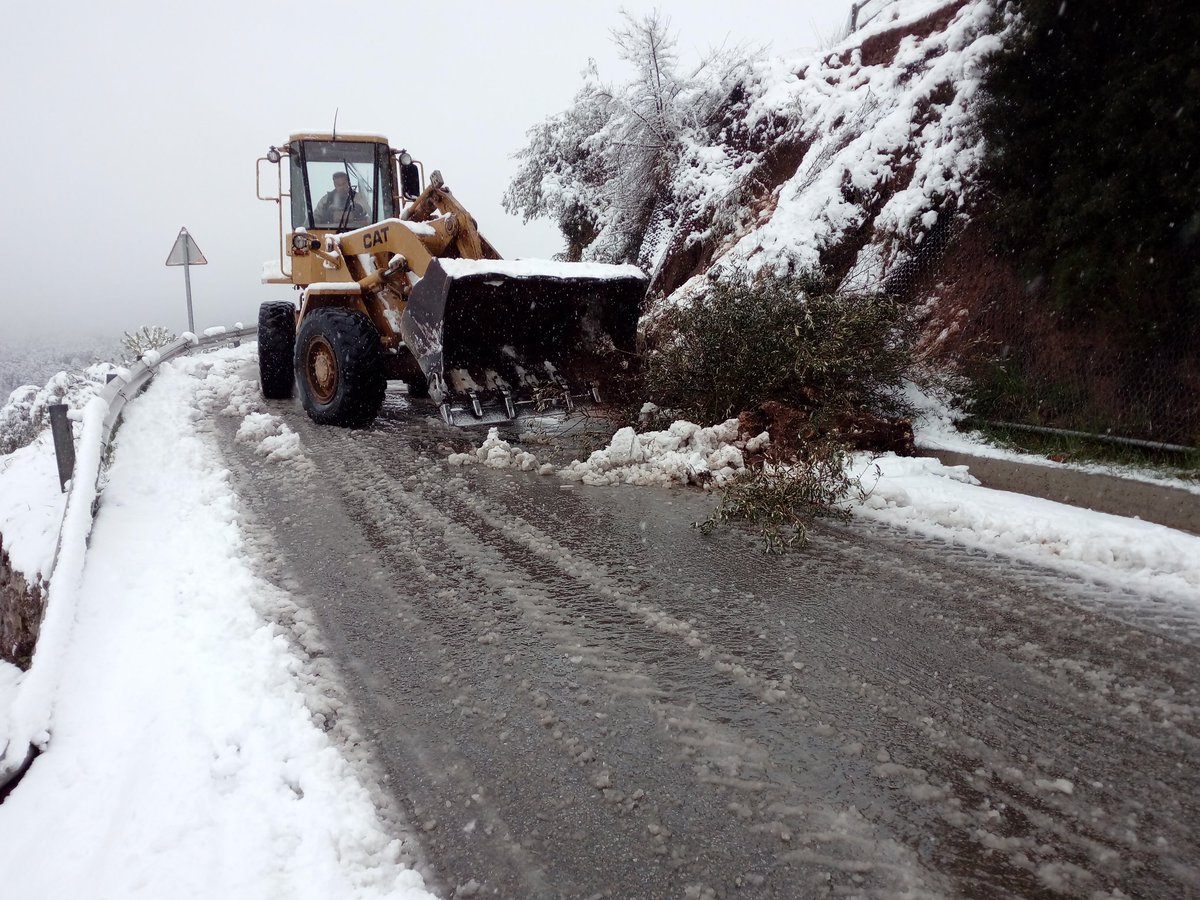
(570, 692)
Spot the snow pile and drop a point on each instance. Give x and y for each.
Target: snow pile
(496, 453)
(183, 760)
(28, 721)
(683, 454)
(946, 502)
(230, 381)
(273, 438)
(229, 387)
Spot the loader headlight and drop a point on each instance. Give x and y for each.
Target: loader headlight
(405, 158)
(302, 242)
(273, 155)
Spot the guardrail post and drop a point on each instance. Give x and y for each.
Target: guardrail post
(64, 444)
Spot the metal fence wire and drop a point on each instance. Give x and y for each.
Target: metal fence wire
(1027, 364)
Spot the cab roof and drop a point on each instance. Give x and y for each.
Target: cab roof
(327, 136)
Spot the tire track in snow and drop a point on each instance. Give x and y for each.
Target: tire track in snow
(712, 805)
(934, 688)
(487, 563)
(1093, 843)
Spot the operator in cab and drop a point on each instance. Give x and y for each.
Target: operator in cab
(339, 207)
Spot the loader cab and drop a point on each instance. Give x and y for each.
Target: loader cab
(339, 185)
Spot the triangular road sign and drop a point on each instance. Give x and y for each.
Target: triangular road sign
(185, 252)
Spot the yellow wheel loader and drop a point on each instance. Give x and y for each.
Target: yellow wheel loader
(397, 283)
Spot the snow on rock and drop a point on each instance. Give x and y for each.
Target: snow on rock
(868, 123)
(758, 443)
(183, 759)
(871, 138)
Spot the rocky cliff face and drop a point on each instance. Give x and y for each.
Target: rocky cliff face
(859, 161)
(21, 607)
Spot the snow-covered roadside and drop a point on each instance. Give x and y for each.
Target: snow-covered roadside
(10, 679)
(183, 760)
(920, 494)
(31, 506)
(945, 501)
(934, 430)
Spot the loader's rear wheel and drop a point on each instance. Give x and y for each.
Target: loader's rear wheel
(339, 365)
(276, 345)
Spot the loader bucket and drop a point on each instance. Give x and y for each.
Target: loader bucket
(503, 339)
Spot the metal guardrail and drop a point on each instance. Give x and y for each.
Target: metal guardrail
(31, 714)
(1157, 446)
(118, 392)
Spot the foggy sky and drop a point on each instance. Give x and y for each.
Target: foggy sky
(127, 121)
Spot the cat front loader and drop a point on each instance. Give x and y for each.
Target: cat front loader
(397, 283)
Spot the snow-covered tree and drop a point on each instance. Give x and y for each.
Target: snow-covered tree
(135, 344)
(27, 410)
(601, 169)
(561, 178)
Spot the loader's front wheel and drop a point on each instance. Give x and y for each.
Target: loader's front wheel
(276, 344)
(339, 366)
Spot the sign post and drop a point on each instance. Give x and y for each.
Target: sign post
(185, 253)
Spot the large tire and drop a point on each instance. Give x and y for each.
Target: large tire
(276, 346)
(339, 366)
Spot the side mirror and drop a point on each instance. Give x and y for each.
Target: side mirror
(410, 179)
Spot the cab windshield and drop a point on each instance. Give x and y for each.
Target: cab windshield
(340, 185)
